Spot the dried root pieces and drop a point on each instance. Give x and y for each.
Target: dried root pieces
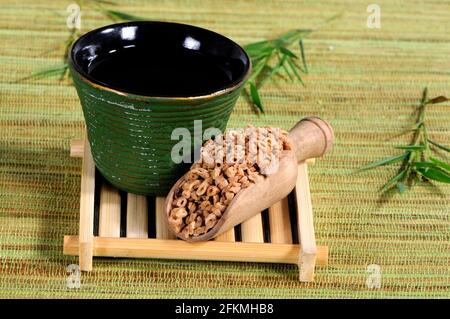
(231, 162)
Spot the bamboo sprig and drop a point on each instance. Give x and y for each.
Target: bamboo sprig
(61, 70)
(263, 54)
(417, 163)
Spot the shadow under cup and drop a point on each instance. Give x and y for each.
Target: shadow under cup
(139, 81)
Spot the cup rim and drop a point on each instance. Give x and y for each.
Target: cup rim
(91, 81)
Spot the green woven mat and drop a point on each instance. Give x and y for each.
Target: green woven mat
(366, 82)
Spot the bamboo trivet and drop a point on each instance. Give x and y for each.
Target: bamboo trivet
(118, 224)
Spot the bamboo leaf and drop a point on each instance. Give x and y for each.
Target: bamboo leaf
(424, 96)
(258, 49)
(287, 52)
(256, 45)
(393, 181)
(436, 174)
(436, 100)
(302, 54)
(64, 73)
(57, 70)
(411, 147)
(259, 67)
(424, 164)
(255, 97)
(274, 71)
(415, 166)
(441, 164)
(291, 36)
(445, 148)
(286, 70)
(282, 64)
(294, 69)
(261, 54)
(384, 161)
(413, 128)
(287, 37)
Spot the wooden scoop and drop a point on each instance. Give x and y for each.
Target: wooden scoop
(310, 137)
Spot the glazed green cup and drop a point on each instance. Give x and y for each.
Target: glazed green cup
(138, 82)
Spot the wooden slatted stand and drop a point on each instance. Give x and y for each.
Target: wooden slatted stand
(117, 224)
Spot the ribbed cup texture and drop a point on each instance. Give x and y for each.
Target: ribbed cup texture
(130, 136)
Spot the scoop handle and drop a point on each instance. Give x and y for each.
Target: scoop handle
(311, 137)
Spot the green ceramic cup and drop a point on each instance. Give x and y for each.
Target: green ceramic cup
(139, 81)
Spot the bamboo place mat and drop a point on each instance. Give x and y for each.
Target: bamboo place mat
(366, 82)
